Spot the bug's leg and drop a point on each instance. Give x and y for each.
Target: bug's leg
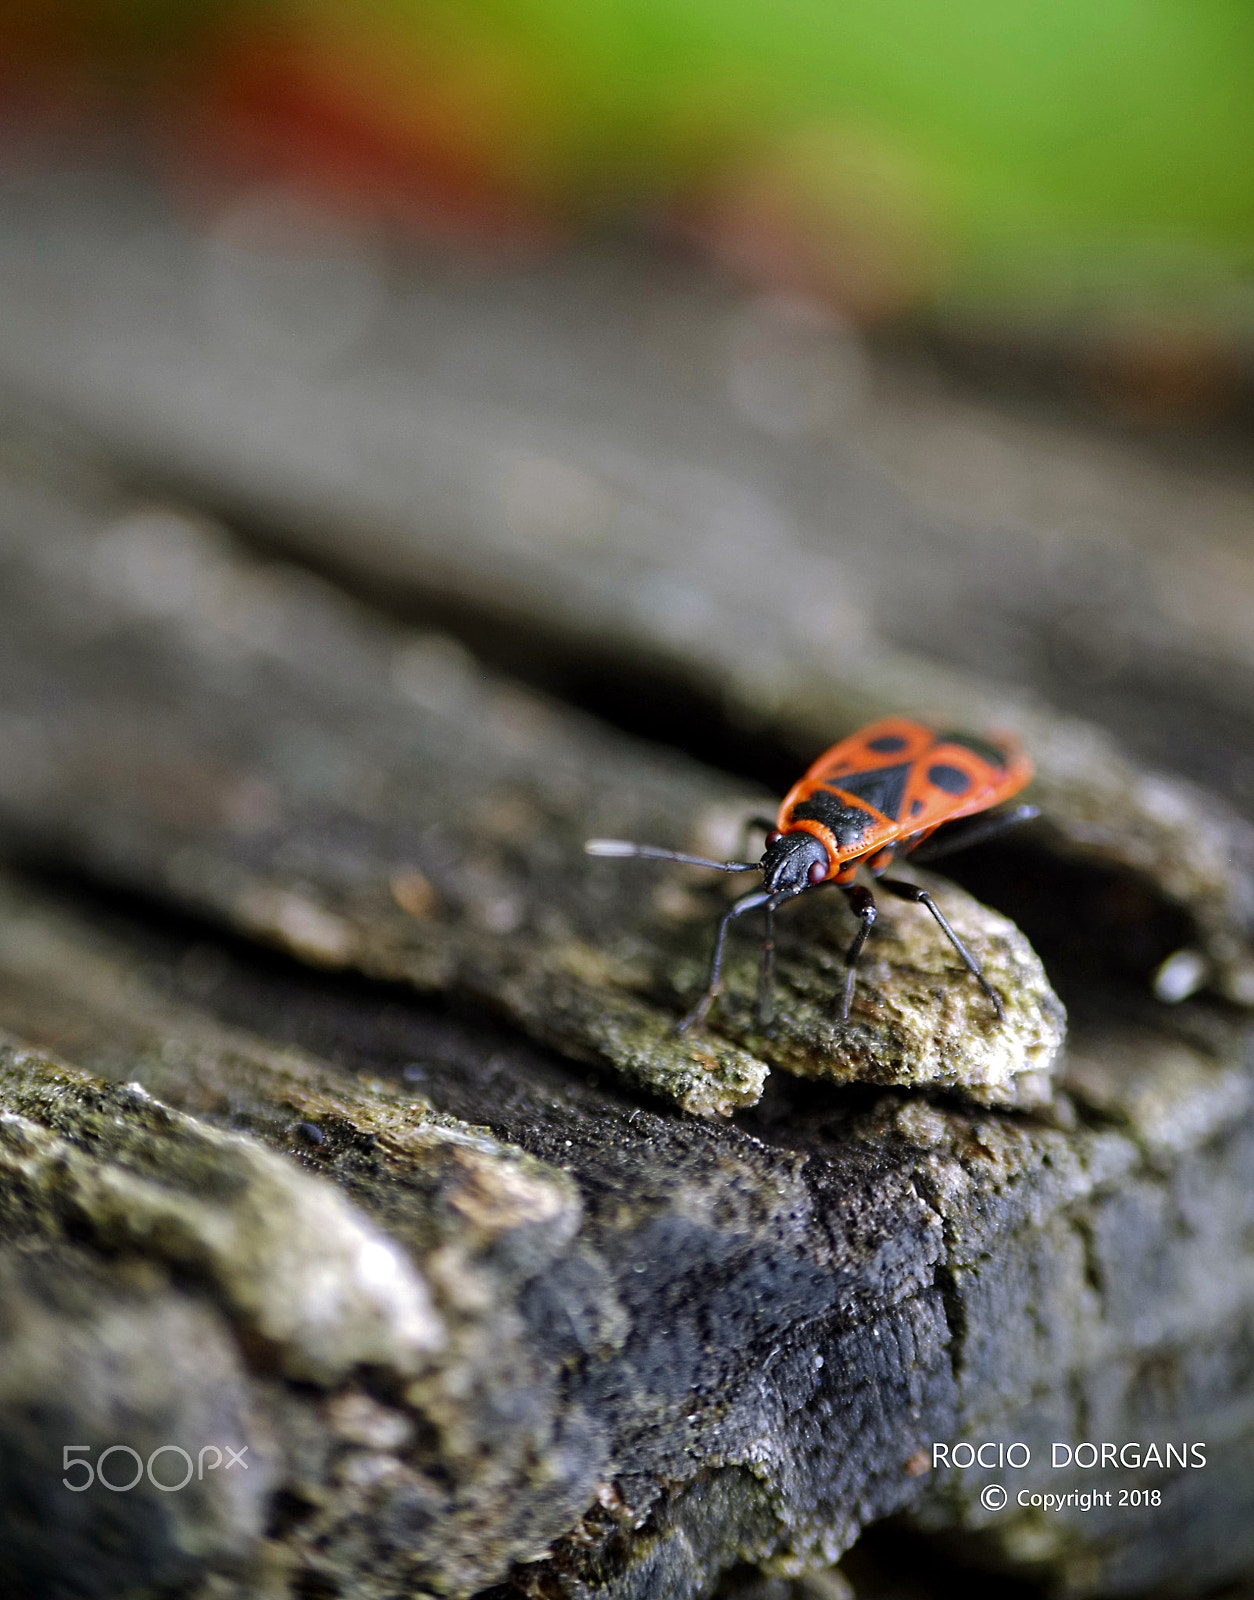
(912, 892)
(747, 902)
(862, 903)
(971, 830)
(766, 972)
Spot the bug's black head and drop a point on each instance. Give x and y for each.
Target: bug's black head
(793, 861)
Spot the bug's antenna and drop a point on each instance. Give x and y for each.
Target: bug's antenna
(652, 852)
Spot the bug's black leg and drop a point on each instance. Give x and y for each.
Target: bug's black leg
(747, 902)
(973, 830)
(766, 972)
(912, 892)
(862, 903)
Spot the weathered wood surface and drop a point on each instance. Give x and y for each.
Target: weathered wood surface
(239, 737)
(585, 466)
(623, 1348)
(487, 1311)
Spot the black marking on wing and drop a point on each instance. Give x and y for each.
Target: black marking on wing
(847, 823)
(915, 807)
(884, 788)
(984, 748)
(887, 744)
(953, 780)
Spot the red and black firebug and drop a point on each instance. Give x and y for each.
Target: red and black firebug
(880, 794)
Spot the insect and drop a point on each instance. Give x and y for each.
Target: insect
(895, 788)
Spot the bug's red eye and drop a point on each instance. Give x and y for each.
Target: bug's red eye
(818, 872)
(773, 835)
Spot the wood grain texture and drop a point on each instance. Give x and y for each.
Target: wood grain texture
(558, 461)
(342, 1115)
(665, 1345)
(233, 734)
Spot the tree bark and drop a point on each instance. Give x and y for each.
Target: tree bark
(343, 1120)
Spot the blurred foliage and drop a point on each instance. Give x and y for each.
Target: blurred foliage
(1056, 159)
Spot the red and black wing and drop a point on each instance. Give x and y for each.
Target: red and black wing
(897, 778)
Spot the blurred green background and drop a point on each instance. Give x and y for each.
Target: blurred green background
(1046, 163)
